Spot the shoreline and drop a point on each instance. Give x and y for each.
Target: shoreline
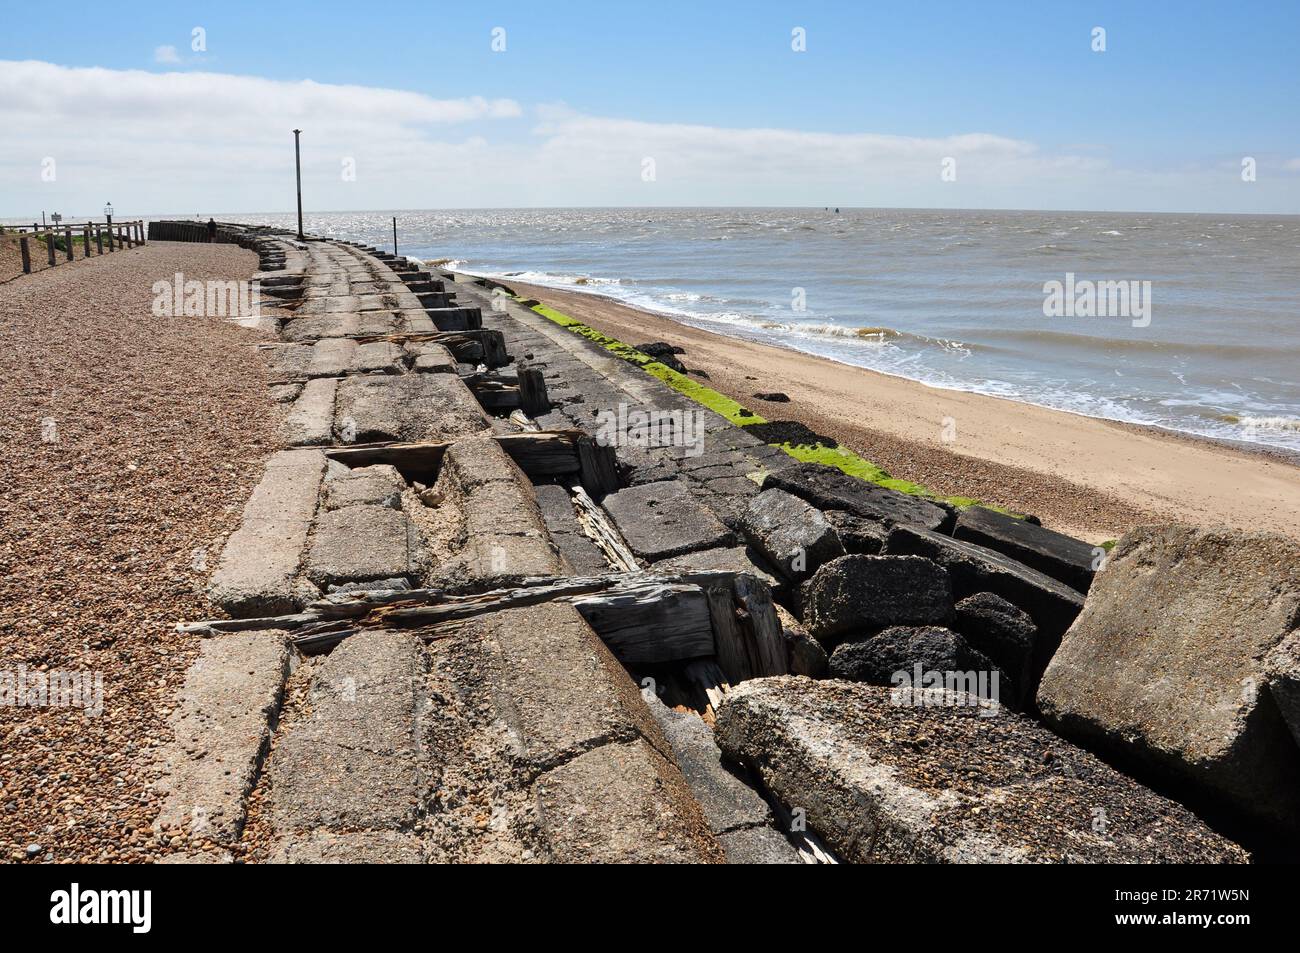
(1087, 476)
(1280, 454)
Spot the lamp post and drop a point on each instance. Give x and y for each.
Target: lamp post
(297, 164)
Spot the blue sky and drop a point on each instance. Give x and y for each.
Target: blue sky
(712, 92)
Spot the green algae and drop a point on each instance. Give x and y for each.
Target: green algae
(844, 460)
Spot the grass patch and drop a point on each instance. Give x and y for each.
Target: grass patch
(838, 457)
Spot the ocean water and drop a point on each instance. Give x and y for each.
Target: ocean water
(953, 299)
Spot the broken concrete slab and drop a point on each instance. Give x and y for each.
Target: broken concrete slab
(1283, 668)
(352, 763)
(352, 847)
(409, 407)
(431, 358)
(659, 520)
(257, 573)
(502, 559)
(289, 361)
(791, 533)
(898, 654)
(1005, 634)
(378, 357)
(505, 536)
(359, 543)
(1050, 603)
(1165, 668)
(831, 489)
(360, 324)
(895, 776)
(758, 845)
(222, 725)
(624, 804)
(581, 552)
(310, 421)
(858, 534)
(1062, 557)
(730, 804)
(475, 461)
(857, 595)
(553, 682)
(504, 508)
(333, 357)
(380, 485)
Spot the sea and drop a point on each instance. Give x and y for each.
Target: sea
(1193, 326)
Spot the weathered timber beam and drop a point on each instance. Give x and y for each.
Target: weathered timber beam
(648, 623)
(546, 453)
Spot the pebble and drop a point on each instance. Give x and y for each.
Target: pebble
(90, 545)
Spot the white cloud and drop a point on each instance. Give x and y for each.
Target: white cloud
(184, 141)
(166, 54)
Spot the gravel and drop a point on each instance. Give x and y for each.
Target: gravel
(107, 533)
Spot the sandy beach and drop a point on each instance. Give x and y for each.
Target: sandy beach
(1084, 476)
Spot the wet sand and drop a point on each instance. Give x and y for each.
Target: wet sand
(1088, 477)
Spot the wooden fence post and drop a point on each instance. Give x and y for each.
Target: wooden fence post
(27, 255)
(111, 246)
(49, 248)
(67, 238)
(85, 242)
(99, 240)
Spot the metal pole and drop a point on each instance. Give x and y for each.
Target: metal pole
(394, 234)
(297, 163)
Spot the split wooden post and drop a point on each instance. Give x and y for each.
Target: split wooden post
(111, 246)
(99, 240)
(85, 242)
(49, 248)
(533, 399)
(598, 467)
(27, 255)
(67, 238)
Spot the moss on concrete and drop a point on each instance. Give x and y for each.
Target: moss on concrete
(838, 457)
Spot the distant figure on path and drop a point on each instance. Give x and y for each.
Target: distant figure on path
(212, 229)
